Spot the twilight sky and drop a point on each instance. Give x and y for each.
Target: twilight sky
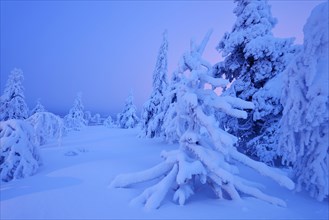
(105, 49)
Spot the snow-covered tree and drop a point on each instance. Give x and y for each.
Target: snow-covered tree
(47, 126)
(87, 117)
(12, 102)
(75, 118)
(19, 156)
(170, 128)
(96, 119)
(38, 108)
(170, 119)
(128, 117)
(152, 113)
(253, 58)
(206, 153)
(304, 141)
(109, 122)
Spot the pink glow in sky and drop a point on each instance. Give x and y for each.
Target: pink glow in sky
(105, 49)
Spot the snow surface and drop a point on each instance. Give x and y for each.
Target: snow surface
(74, 183)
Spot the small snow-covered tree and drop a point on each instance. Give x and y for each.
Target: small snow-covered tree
(12, 102)
(208, 157)
(253, 58)
(74, 120)
(128, 117)
(19, 156)
(38, 108)
(304, 141)
(109, 122)
(152, 113)
(47, 126)
(87, 117)
(96, 119)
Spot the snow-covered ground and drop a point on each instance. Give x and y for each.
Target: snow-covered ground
(74, 183)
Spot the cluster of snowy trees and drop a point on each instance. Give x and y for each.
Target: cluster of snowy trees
(275, 112)
(22, 131)
(208, 156)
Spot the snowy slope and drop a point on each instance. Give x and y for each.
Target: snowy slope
(74, 180)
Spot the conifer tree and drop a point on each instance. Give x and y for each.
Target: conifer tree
(152, 113)
(128, 117)
(206, 157)
(38, 108)
(12, 102)
(254, 59)
(109, 123)
(74, 120)
(304, 125)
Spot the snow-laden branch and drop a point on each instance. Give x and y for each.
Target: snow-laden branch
(153, 196)
(216, 82)
(206, 152)
(128, 179)
(263, 169)
(233, 153)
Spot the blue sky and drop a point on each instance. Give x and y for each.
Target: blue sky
(105, 49)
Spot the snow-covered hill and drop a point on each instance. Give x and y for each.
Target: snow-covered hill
(74, 183)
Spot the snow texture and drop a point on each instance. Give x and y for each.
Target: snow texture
(209, 158)
(304, 125)
(19, 156)
(74, 187)
(12, 102)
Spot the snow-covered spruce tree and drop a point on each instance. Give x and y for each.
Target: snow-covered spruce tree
(171, 120)
(152, 113)
(304, 125)
(209, 158)
(38, 108)
(47, 126)
(254, 57)
(128, 117)
(12, 102)
(19, 156)
(109, 122)
(74, 120)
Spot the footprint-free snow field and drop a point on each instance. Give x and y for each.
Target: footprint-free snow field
(74, 180)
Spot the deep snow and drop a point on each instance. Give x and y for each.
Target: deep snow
(74, 183)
